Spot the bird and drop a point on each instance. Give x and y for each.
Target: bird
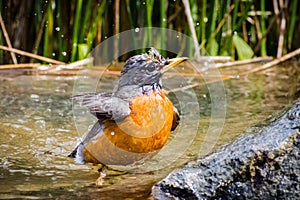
(134, 121)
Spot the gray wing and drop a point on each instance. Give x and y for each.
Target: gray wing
(104, 105)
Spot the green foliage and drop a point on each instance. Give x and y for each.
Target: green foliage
(163, 24)
(83, 51)
(213, 47)
(293, 19)
(76, 29)
(244, 51)
(73, 28)
(48, 37)
(263, 49)
(149, 11)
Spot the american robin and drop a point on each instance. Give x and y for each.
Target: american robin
(135, 120)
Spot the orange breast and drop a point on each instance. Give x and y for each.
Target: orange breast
(139, 136)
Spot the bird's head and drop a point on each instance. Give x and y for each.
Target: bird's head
(146, 69)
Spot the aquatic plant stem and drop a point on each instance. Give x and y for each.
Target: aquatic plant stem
(263, 49)
(203, 20)
(294, 17)
(40, 34)
(13, 56)
(163, 24)
(192, 28)
(24, 53)
(76, 29)
(274, 62)
(281, 31)
(48, 36)
(117, 28)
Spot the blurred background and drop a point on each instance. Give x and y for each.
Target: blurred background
(68, 30)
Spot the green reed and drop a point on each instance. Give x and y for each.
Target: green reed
(241, 29)
(148, 34)
(163, 25)
(76, 29)
(293, 19)
(48, 37)
(263, 49)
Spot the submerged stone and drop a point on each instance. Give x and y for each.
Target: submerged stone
(263, 163)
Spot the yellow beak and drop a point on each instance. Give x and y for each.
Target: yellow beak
(173, 63)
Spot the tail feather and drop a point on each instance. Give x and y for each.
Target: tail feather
(77, 152)
(73, 154)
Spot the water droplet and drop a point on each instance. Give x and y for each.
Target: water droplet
(112, 133)
(164, 19)
(57, 29)
(34, 96)
(53, 54)
(50, 140)
(62, 35)
(64, 53)
(137, 30)
(205, 19)
(197, 24)
(41, 123)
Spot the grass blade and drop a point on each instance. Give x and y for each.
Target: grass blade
(76, 29)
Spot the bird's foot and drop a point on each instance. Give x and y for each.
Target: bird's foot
(102, 174)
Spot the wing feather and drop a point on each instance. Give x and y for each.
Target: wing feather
(104, 105)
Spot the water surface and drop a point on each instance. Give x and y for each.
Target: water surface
(38, 131)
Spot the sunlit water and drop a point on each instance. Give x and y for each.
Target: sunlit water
(38, 132)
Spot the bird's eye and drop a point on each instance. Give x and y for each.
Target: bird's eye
(151, 67)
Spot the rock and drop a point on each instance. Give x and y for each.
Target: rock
(263, 163)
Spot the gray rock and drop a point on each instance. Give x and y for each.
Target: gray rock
(263, 163)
